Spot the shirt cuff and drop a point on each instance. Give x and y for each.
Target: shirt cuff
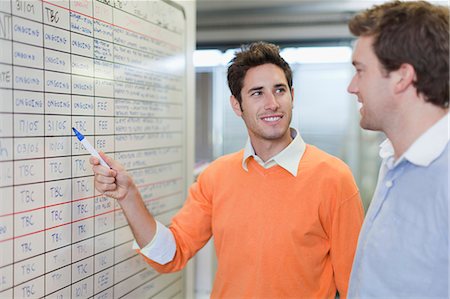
(161, 248)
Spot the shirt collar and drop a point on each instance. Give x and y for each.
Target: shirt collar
(288, 158)
(425, 149)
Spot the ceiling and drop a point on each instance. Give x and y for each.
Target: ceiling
(229, 23)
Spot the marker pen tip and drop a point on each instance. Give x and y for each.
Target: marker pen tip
(78, 134)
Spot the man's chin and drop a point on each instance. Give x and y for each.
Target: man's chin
(367, 126)
(275, 134)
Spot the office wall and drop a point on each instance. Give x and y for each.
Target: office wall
(116, 71)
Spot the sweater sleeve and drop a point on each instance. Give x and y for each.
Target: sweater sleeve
(347, 219)
(191, 226)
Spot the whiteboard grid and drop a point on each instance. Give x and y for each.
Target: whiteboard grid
(115, 70)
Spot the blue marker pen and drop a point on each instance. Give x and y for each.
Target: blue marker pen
(89, 147)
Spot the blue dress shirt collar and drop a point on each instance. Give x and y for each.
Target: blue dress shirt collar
(424, 150)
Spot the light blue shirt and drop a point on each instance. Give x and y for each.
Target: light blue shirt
(403, 247)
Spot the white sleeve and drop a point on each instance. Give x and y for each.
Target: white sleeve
(162, 247)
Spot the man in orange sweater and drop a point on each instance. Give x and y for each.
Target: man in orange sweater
(285, 215)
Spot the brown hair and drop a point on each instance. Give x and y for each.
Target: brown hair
(252, 55)
(416, 33)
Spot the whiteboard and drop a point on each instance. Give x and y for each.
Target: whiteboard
(116, 71)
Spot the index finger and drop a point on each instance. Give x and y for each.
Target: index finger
(102, 170)
(94, 161)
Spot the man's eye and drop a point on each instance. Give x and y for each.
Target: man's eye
(256, 93)
(280, 90)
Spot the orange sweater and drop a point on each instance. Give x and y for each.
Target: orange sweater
(275, 235)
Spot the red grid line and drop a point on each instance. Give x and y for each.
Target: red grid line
(85, 218)
(81, 199)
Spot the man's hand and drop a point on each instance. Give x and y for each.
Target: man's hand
(114, 182)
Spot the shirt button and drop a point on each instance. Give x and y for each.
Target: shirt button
(389, 184)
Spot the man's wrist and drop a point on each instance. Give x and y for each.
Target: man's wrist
(131, 193)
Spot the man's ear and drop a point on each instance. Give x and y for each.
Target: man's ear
(292, 95)
(404, 77)
(235, 105)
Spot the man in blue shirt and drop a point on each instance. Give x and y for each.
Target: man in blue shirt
(402, 81)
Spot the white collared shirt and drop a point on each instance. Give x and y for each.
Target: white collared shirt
(288, 158)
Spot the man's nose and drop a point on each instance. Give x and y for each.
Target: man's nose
(271, 102)
(352, 87)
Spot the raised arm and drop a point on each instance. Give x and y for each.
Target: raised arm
(117, 183)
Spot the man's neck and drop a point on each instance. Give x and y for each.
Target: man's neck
(410, 125)
(266, 149)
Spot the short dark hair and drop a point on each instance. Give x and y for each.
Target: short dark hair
(416, 33)
(252, 55)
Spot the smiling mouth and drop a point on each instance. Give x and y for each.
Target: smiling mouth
(272, 118)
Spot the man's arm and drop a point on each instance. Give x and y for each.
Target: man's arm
(118, 184)
(347, 221)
